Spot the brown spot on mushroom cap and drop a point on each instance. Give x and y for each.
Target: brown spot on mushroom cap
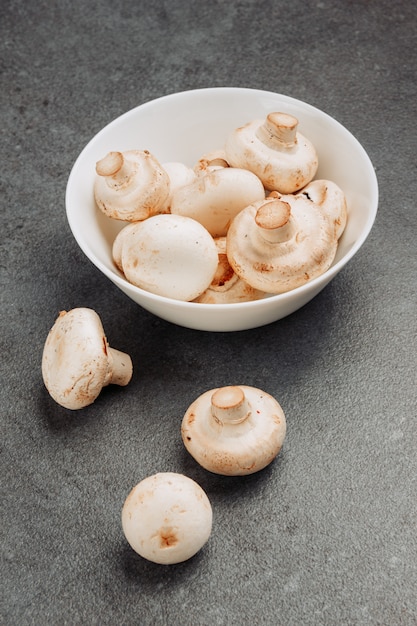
(263, 267)
(168, 538)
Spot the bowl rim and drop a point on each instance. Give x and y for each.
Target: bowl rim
(122, 283)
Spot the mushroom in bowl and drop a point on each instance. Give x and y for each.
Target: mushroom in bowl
(204, 119)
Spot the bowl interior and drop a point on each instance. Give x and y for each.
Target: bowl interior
(182, 127)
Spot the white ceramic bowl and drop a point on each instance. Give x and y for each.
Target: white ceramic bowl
(182, 127)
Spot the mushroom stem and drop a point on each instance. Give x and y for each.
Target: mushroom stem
(120, 368)
(116, 169)
(274, 220)
(229, 405)
(279, 129)
(110, 164)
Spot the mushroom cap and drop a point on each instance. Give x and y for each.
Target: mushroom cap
(131, 185)
(276, 246)
(234, 430)
(226, 286)
(117, 246)
(75, 363)
(272, 148)
(167, 518)
(330, 197)
(179, 174)
(170, 255)
(214, 198)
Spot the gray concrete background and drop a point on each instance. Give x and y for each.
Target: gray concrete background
(326, 535)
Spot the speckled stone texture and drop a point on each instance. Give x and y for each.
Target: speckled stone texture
(326, 535)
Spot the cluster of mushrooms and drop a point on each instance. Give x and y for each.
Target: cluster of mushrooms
(232, 431)
(246, 221)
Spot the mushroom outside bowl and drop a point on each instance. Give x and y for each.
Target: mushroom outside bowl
(181, 127)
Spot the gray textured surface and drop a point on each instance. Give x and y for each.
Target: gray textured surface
(327, 534)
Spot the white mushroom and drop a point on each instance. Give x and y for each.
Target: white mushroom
(77, 361)
(331, 199)
(118, 244)
(275, 151)
(276, 246)
(170, 255)
(131, 185)
(234, 430)
(215, 198)
(179, 174)
(226, 286)
(214, 160)
(167, 518)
